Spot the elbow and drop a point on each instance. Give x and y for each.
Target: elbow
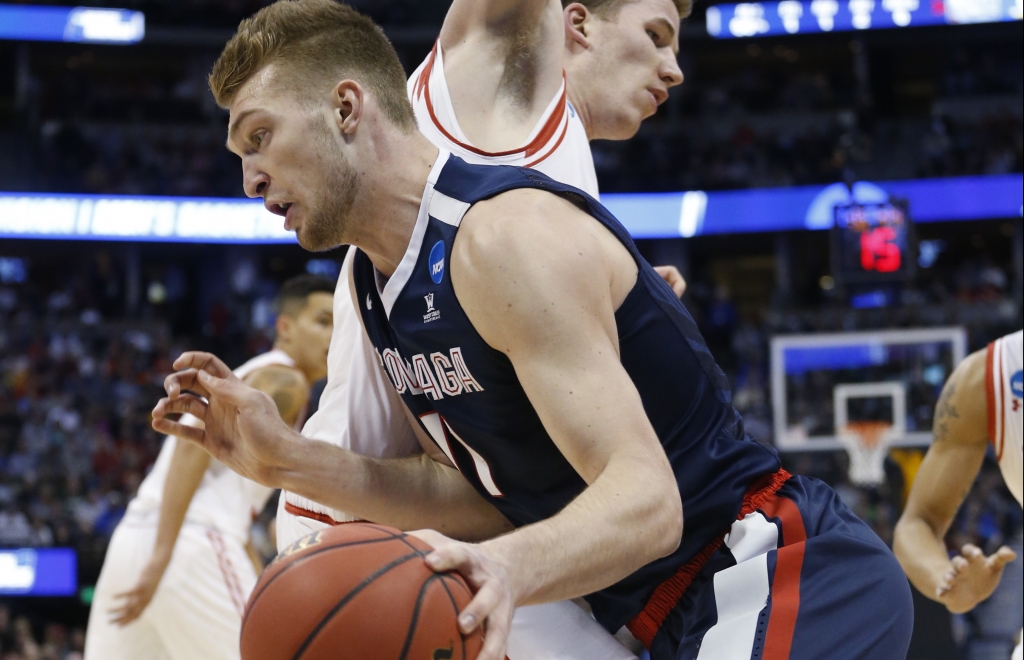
(669, 522)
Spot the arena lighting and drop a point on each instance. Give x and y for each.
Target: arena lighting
(764, 19)
(645, 215)
(74, 24)
(38, 572)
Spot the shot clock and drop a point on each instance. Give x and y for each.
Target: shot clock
(872, 242)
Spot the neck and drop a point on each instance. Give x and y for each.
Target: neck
(389, 197)
(578, 101)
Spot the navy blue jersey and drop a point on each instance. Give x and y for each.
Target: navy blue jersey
(469, 400)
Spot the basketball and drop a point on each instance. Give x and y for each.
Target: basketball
(357, 591)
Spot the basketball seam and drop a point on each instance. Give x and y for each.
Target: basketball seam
(455, 605)
(349, 596)
(255, 596)
(415, 616)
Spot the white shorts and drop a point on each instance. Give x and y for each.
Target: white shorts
(196, 611)
(553, 631)
(1018, 653)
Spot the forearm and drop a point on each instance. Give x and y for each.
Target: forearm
(922, 553)
(619, 524)
(188, 465)
(407, 493)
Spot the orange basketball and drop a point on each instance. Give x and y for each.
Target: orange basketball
(356, 591)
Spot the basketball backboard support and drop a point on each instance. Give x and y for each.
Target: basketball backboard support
(821, 383)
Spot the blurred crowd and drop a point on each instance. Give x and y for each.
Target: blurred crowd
(20, 639)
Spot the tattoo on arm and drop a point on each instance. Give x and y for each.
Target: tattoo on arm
(286, 387)
(944, 411)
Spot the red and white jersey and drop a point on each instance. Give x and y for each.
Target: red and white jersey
(1004, 381)
(224, 500)
(557, 146)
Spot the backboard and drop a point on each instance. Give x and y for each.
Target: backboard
(822, 382)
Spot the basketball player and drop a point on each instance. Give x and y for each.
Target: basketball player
(565, 380)
(980, 403)
(521, 82)
(508, 82)
(177, 573)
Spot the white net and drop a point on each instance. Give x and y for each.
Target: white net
(868, 444)
(868, 441)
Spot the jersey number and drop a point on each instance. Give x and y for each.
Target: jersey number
(440, 431)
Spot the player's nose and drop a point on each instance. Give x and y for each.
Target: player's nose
(669, 71)
(254, 181)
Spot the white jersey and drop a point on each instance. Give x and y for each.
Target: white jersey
(557, 145)
(224, 500)
(1004, 381)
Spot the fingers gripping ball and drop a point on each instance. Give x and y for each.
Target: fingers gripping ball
(356, 591)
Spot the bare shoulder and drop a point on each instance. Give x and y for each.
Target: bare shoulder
(274, 377)
(529, 237)
(528, 263)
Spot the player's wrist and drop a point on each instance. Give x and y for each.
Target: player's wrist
(517, 581)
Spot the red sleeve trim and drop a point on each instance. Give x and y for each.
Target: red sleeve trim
(990, 392)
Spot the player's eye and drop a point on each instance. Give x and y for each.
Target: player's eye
(654, 36)
(257, 138)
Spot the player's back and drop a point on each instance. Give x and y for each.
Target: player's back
(1004, 382)
(224, 500)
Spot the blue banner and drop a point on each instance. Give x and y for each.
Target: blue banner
(38, 572)
(763, 19)
(645, 215)
(74, 24)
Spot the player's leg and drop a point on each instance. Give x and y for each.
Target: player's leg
(129, 549)
(1018, 653)
(561, 631)
(206, 587)
(841, 593)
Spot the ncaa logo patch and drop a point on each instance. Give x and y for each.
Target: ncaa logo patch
(1017, 384)
(436, 262)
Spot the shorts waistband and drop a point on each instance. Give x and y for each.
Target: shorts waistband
(646, 624)
(316, 515)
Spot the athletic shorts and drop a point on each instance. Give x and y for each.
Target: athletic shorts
(800, 578)
(197, 609)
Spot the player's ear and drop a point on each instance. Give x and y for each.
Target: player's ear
(348, 99)
(577, 25)
(284, 326)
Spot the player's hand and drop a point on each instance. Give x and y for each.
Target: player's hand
(972, 578)
(135, 601)
(241, 425)
(674, 279)
(492, 605)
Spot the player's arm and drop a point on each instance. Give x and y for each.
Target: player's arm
(243, 431)
(502, 64)
(551, 310)
(286, 386)
(185, 473)
(940, 487)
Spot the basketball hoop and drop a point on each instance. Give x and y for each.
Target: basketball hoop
(868, 441)
(868, 444)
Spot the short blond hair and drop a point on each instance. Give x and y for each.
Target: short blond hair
(606, 8)
(319, 42)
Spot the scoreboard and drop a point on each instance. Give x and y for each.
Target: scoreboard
(872, 242)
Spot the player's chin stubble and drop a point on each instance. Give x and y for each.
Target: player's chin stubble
(328, 216)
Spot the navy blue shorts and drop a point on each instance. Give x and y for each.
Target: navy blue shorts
(801, 578)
